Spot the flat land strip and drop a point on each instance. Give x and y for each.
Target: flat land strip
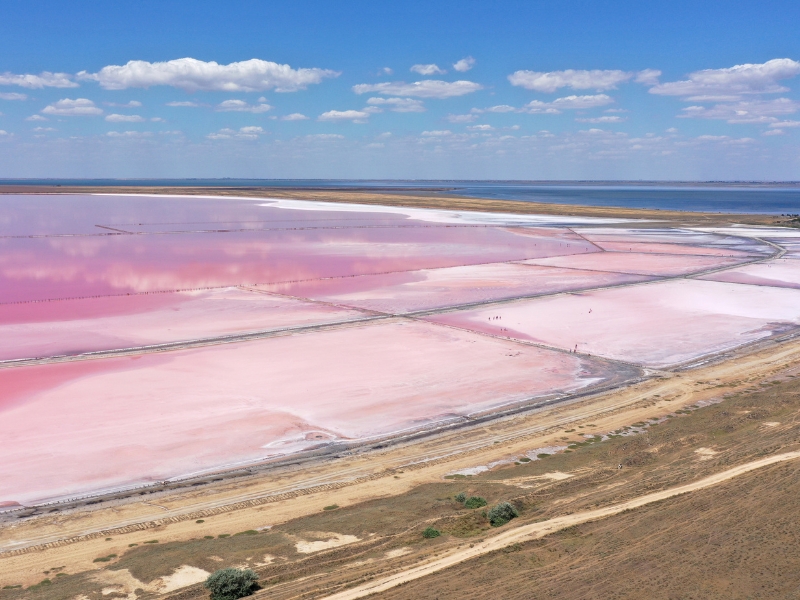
(414, 200)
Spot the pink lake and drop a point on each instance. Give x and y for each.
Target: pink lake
(658, 324)
(40, 329)
(427, 289)
(72, 428)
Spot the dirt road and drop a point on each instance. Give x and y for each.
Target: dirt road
(537, 530)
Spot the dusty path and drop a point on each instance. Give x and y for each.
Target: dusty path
(537, 530)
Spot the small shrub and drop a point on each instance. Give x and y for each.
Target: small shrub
(151, 542)
(524, 459)
(542, 455)
(224, 535)
(248, 532)
(105, 558)
(331, 507)
(501, 514)
(429, 533)
(200, 521)
(208, 537)
(132, 545)
(461, 497)
(475, 502)
(231, 584)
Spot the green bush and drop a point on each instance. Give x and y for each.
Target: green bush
(231, 584)
(475, 502)
(462, 497)
(430, 533)
(501, 514)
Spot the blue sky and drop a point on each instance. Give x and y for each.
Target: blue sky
(351, 89)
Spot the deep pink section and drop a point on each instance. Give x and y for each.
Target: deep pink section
(75, 326)
(36, 269)
(437, 288)
(170, 414)
(642, 264)
(657, 324)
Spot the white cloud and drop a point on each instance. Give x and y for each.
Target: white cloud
(464, 65)
(398, 104)
(375, 145)
(672, 130)
(774, 132)
(482, 127)
(437, 133)
(500, 108)
(428, 88)
(325, 136)
(578, 80)
(715, 84)
(356, 116)
(566, 103)
(648, 77)
(241, 106)
(36, 118)
(115, 118)
(80, 107)
(183, 104)
(462, 118)
(45, 79)
(250, 132)
(12, 96)
(3, 132)
(428, 70)
(784, 124)
(43, 129)
(129, 134)
(194, 75)
(252, 129)
(757, 111)
(606, 119)
(294, 117)
(157, 120)
(131, 104)
(386, 71)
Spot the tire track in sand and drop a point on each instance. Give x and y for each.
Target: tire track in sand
(537, 530)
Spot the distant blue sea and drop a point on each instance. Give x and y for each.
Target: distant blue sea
(702, 198)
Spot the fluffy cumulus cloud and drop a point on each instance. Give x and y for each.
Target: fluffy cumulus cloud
(437, 133)
(129, 134)
(193, 75)
(80, 107)
(356, 116)
(183, 103)
(250, 132)
(12, 96)
(648, 76)
(294, 117)
(757, 111)
(427, 70)
(575, 79)
(42, 80)
(429, 88)
(731, 83)
(464, 65)
(241, 106)
(566, 103)
(398, 104)
(115, 118)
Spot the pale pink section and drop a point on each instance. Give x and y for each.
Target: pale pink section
(437, 288)
(656, 324)
(777, 273)
(642, 264)
(669, 249)
(156, 416)
(52, 328)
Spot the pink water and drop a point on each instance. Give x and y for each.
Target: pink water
(93, 273)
